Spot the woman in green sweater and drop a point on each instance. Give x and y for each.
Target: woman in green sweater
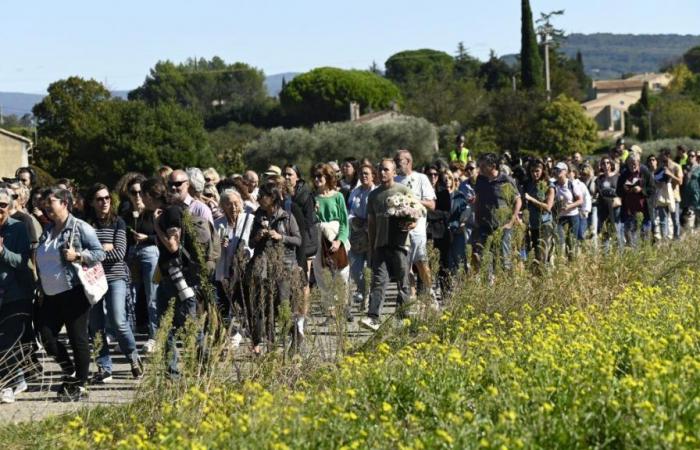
(331, 263)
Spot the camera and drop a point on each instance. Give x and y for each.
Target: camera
(183, 290)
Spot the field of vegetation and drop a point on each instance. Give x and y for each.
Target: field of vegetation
(602, 352)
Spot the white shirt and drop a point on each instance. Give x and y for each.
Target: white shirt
(51, 268)
(420, 185)
(565, 196)
(238, 237)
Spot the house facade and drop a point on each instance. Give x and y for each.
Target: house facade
(14, 152)
(614, 97)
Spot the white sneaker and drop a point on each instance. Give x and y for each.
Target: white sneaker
(370, 323)
(21, 387)
(236, 340)
(149, 346)
(7, 395)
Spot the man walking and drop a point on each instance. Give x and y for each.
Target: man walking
(422, 189)
(388, 255)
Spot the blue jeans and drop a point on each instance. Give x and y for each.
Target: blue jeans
(146, 258)
(567, 231)
(183, 310)
(109, 316)
(676, 217)
(632, 231)
(457, 255)
(662, 213)
(357, 270)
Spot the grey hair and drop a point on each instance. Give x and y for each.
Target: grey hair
(7, 192)
(196, 177)
(225, 195)
(633, 156)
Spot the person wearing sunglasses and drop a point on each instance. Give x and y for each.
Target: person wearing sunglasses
(17, 284)
(179, 185)
(142, 257)
(64, 301)
(109, 314)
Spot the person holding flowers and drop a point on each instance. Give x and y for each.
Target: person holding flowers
(392, 212)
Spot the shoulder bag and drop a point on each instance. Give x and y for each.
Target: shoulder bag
(92, 278)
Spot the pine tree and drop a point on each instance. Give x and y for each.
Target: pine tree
(644, 122)
(284, 83)
(530, 61)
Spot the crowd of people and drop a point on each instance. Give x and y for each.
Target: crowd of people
(266, 239)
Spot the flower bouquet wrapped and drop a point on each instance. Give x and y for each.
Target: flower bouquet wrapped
(404, 207)
(402, 211)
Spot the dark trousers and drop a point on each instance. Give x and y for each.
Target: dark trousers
(388, 262)
(72, 309)
(15, 352)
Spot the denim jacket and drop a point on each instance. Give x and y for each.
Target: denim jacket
(85, 242)
(16, 280)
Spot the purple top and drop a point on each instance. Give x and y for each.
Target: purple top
(198, 209)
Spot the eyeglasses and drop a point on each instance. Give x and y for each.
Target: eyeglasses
(209, 194)
(135, 193)
(176, 183)
(104, 199)
(4, 205)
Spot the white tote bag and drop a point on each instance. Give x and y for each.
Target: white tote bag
(92, 278)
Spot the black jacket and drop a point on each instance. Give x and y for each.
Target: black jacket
(306, 219)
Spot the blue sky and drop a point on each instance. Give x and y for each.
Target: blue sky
(117, 42)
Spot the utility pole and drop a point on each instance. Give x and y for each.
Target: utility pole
(2, 121)
(548, 85)
(548, 33)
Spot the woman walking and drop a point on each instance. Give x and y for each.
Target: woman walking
(109, 314)
(333, 234)
(64, 302)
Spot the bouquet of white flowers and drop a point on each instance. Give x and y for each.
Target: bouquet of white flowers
(405, 208)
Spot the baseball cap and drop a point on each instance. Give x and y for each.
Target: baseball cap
(561, 166)
(272, 171)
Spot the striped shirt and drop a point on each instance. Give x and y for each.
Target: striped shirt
(115, 234)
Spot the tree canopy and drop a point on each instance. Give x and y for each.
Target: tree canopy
(424, 63)
(218, 91)
(324, 94)
(87, 136)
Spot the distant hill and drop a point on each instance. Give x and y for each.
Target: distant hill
(273, 83)
(18, 103)
(608, 55)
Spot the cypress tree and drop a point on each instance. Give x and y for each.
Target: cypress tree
(530, 61)
(644, 123)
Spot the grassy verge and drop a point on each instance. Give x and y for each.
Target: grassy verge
(602, 352)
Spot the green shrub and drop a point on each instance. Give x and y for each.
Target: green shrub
(327, 142)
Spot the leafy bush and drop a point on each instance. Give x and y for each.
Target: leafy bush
(327, 142)
(563, 128)
(676, 117)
